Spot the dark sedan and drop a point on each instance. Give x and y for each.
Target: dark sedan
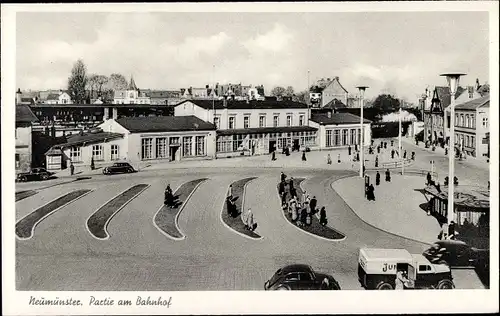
(300, 277)
(457, 254)
(118, 167)
(34, 174)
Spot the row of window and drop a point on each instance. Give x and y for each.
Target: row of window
(233, 143)
(466, 120)
(466, 140)
(161, 148)
(262, 121)
(342, 137)
(75, 153)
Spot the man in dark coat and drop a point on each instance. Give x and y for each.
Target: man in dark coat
(312, 204)
(377, 179)
(229, 206)
(349, 150)
(370, 195)
(282, 187)
(392, 153)
(385, 145)
(451, 230)
(357, 156)
(378, 149)
(303, 216)
(72, 168)
(283, 176)
(322, 217)
(304, 156)
(273, 156)
(404, 154)
(290, 185)
(412, 155)
(376, 162)
(429, 178)
(92, 165)
(392, 143)
(387, 175)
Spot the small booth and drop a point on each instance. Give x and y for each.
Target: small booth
(54, 159)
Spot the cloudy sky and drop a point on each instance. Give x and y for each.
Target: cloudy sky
(395, 52)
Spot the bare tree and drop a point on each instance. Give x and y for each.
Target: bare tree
(77, 82)
(278, 91)
(117, 82)
(289, 92)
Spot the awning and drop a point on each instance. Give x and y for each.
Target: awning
(265, 130)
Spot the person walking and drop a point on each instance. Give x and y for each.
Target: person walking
(338, 158)
(392, 153)
(349, 150)
(357, 156)
(303, 216)
(370, 193)
(250, 220)
(404, 154)
(378, 149)
(313, 204)
(92, 165)
(377, 179)
(387, 176)
(376, 161)
(304, 156)
(328, 160)
(281, 188)
(273, 156)
(322, 217)
(282, 176)
(429, 178)
(230, 191)
(290, 186)
(412, 155)
(72, 168)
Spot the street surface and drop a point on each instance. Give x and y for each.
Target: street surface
(62, 255)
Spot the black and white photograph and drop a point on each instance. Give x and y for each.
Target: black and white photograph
(190, 158)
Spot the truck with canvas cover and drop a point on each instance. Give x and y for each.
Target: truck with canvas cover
(377, 269)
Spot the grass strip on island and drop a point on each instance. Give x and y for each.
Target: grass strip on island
(166, 218)
(315, 228)
(26, 226)
(21, 195)
(236, 223)
(98, 221)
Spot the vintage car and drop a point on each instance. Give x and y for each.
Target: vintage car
(377, 269)
(458, 254)
(118, 167)
(300, 277)
(34, 174)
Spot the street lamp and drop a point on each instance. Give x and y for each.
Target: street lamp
(453, 79)
(362, 159)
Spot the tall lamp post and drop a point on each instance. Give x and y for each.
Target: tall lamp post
(361, 156)
(453, 79)
(400, 145)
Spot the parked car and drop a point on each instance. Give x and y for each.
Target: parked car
(300, 277)
(457, 253)
(118, 167)
(36, 174)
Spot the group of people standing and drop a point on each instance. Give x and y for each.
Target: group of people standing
(248, 218)
(299, 210)
(370, 189)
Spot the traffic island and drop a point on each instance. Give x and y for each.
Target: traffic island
(97, 223)
(26, 226)
(234, 220)
(166, 217)
(315, 227)
(21, 195)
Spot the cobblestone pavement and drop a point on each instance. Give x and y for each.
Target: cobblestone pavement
(62, 255)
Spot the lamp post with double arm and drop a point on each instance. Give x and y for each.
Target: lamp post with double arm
(362, 90)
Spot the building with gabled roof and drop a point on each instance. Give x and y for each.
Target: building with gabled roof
(340, 130)
(132, 95)
(326, 91)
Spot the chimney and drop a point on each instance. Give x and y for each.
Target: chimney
(477, 84)
(337, 78)
(18, 96)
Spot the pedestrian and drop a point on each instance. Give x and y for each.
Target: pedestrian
(385, 145)
(282, 176)
(295, 211)
(438, 187)
(230, 191)
(416, 140)
(404, 154)
(455, 180)
(313, 204)
(376, 162)
(349, 150)
(412, 155)
(283, 197)
(378, 149)
(357, 156)
(446, 181)
(338, 158)
(377, 179)
(92, 165)
(304, 156)
(322, 217)
(451, 230)
(392, 143)
(168, 197)
(281, 187)
(290, 186)
(307, 201)
(355, 147)
(387, 176)
(250, 220)
(392, 153)
(328, 160)
(303, 216)
(446, 151)
(273, 156)
(229, 206)
(370, 193)
(429, 178)
(72, 168)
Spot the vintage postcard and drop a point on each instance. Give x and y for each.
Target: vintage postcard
(196, 158)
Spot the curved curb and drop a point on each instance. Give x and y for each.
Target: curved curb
(304, 231)
(242, 204)
(48, 214)
(317, 216)
(176, 219)
(373, 226)
(105, 227)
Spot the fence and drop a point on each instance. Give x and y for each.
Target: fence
(397, 164)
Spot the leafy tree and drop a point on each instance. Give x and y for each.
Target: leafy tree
(386, 102)
(289, 92)
(77, 82)
(278, 91)
(301, 96)
(117, 82)
(101, 80)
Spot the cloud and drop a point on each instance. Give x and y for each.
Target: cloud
(274, 41)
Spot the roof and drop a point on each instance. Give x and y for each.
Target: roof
(244, 105)
(164, 124)
(164, 94)
(443, 95)
(472, 198)
(53, 96)
(484, 89)
(54, 152)
(335, 104)
(296, 268)
(78, 139)
(337, 118)
(383, 254)
(24, 114)
(265, 130)
(474, 104)
(132, 85)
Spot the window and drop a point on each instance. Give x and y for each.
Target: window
(174, 141)
(467, 122)
(115, 153)
(231, 122)
(336, 137)
(344, 137)
(75, 154)
(485, 122)
(424, 267)
(305, 276)
(97, 152)
(289, 120)
(456, 119)
(246, 122)
(276, 120)
(187, 146)
(18, 161)
(161, 148)
(353, 137)
(301, 120)
(473, 121)
(217, 122)
(467, 140)
(461, 120)
(472, 141)
(200, 145)
(292, 276)
(329, 138)
(359, 136)
(262, 121)
(147, 148)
